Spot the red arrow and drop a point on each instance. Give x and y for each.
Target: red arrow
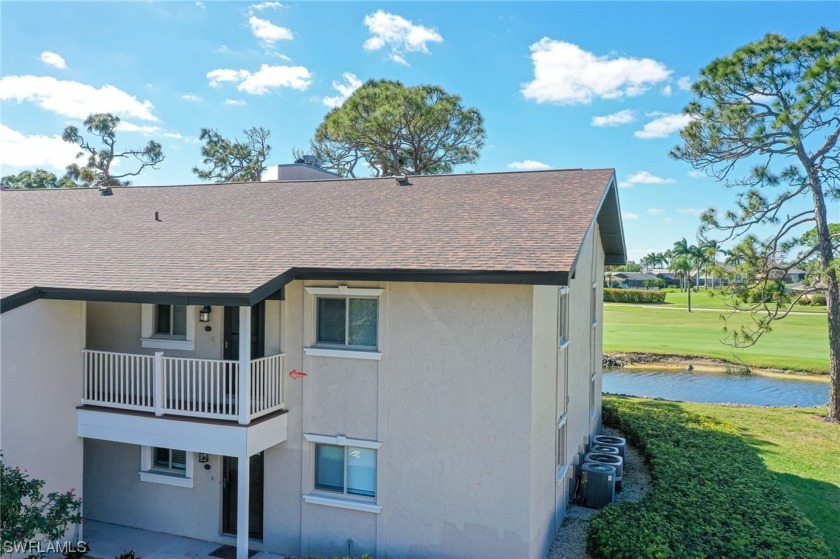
(296, 374)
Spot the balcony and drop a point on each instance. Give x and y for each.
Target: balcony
(178, 386)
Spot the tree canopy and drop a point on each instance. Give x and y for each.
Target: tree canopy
(100, 159)
(40, 178)
(392, 129)
(766, 121)
(229, 160)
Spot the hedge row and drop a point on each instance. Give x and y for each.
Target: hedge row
(633, 296)
(711, 494)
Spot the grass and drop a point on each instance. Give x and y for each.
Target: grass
(799, 342)
(797, 446)
(801, 450)
(718, 299)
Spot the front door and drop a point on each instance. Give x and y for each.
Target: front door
(229, 495)
(257, 332)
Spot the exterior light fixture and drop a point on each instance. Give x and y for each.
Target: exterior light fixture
(204, 314)
(203, 457)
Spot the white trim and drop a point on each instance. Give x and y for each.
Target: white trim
(344, 353)
(345, 291)
(592, 377)
(313, 499)
(562, 344)
(167, 343)
(595, 323)
(564, 290)
(341, 440)
(166, 479)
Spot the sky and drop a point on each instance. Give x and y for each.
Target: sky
(560, 84)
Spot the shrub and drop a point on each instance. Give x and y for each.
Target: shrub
(818, 300)
(633, 296)
(711, 495)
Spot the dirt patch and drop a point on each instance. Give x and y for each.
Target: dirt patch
(678, 362)
(570, 541)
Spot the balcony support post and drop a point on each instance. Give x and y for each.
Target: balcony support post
(243, 496)
(244, 394)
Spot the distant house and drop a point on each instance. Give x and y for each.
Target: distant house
(792, 275)
(668, 276)
(631, 280)
(412, 366)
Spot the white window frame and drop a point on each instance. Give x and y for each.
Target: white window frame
(563, 312)
(151, 473)
(317, 349)
(149, 339)
(332, 498)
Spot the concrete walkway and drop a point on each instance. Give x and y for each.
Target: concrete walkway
(110, 540)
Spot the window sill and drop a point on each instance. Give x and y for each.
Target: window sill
(164, 343)
(342, 353)
(166, 479)
(563, 344)
(336, 502)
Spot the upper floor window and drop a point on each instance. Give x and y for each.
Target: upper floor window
(171, 321)
(347, 321)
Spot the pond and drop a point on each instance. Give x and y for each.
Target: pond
(716, 388)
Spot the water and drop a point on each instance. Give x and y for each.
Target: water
(717, 388)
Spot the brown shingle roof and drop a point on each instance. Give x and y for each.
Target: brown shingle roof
(237, 238)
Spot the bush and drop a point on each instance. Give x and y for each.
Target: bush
(711, 494)
(818, 300)
(633, 296)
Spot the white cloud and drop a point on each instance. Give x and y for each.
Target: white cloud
(173, 135)
(235, 102)
(126, 126)
(666, 91)
(644, 177)
(690, 211)
(267, 32)
(266, 6)
(629, 216)
(73, 99)
(191, 98)
(667, 220)
(265, 79)
(684, 83)
(566, 74)
(218, 77)
(20, 150)
(344, 90)
(529, 165)
(399, 35)
(53, 59)
(655, 211)
(696, 174)
(663, 126)
(615, 119)
(200, 5)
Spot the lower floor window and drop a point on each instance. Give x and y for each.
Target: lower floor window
(172, 460)
(345, 469)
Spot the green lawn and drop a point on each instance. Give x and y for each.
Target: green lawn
(799, 342)
(717, 299)
(800, 449)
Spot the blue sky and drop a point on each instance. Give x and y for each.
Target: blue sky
(560, 85)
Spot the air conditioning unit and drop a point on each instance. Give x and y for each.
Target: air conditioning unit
(604, 449)
(608, 440)
(613, 460)
(597, 483)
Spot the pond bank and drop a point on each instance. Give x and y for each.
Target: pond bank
(678, 362)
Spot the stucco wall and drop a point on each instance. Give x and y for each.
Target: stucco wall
(40, 368)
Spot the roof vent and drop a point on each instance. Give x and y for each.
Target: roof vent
(105, 190)
(402, 180)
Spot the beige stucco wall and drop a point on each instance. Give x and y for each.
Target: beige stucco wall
(40, 387)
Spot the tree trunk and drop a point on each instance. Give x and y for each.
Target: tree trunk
(833, 302)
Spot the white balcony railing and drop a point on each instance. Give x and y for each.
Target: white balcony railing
(205, 388)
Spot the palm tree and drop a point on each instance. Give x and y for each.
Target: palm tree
(710, 249)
